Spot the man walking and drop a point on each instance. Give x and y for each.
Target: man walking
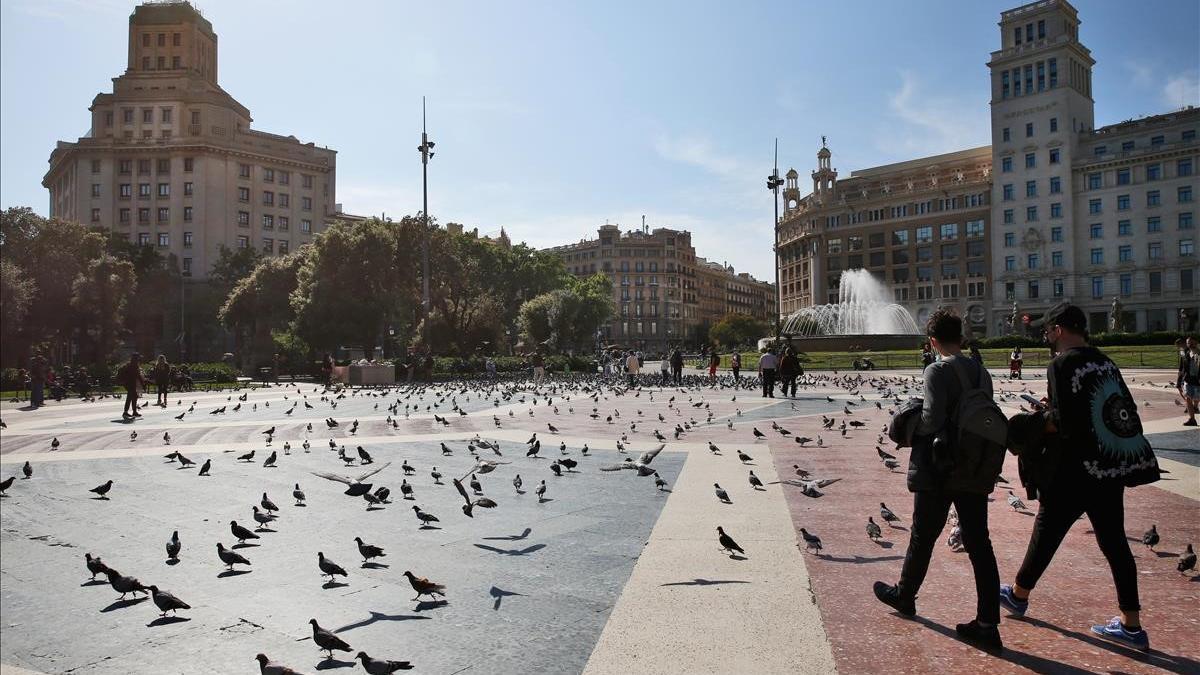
(677, 366)
(37, 380)
(936, 485)
(1093, 450)
(768, 364)
(539, 367)
(130, 377)
(632, 366)
(1188, 382)
(789, 370)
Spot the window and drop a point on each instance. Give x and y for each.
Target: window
(243, 194)
(1010, 263)
(1056, 258)
(124, 214)
(1126, 285)
(1007, 192)
(143, 190)
(1124, 177)
(1096, 231)
(949, 231)
(268, 245)
(924, 273)
(1184, 194)
(1095, 181)
(1055, 185)
(1006, 135)
(306, 203)
(950, 290)
(1055, 156)
(187, 239)
(143, 166)
(833, 247)
(974, 228)
(1004, 88)
(268, 175)
(243, 241)
(306, 181)
(1185, 221)
(1095, 206)
(95, 215)
(165, 115)
(1097, 287)
(147, 115)
(924, 253)
(1100, 150)
(874, 240)
(284, 200)
(1033, 288)
(1154, 224)
(949, 251)
(1056, 210)
(164, 189)
(188, 164)
(1183, 167)
(1009, 219)
(1122, 202)
(1010, 239)
(95, 189)
(1030, 160)
(1053, 67)
(283, 250)
(268, 198)
(283, 223)
(899, 257)
(243, 170)
(1041, 75)
(1154, 250)
(1032, 261)
(1153, 198)
(900, 238)
(143, 238)
(243, 219)
(975, 248)
(1186, 247)
(285, 177)
(187, 214)
(1188, 135)
(1156, 140)
(1056, 234)
(125, 166)
(164, 214)
(1010, 291)
(1187, 282)
(1124, 228)
(306, 226)
(1006, 165)
(1058, 288)
(1155, 282)
(1153, 171)
(1031, 188)
(164, 239)
(1031, 214)
(1028, 125)
(1053, 120)
(95, 166)
(187, 189)
(1125, 253)
(1097, 256)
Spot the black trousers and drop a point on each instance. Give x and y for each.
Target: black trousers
(930, 510)
(131, 398)
(788, 381)
(1104, 504)
(677, 373)
(768, 382)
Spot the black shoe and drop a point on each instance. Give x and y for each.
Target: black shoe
(987, 639)
(890, 596)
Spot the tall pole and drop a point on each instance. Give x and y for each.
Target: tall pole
(426, 147)
(773, 184)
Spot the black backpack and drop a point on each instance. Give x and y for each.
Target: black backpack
(979, 436)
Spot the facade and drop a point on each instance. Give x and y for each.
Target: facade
(663, 294)
(919, 227)
(171, 161)
(1055, 209)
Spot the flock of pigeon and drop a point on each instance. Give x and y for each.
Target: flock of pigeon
(559, 399)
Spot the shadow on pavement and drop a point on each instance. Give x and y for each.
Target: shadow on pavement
(121, 604)
(511, 537)
(378, 616)
(858, 559)
(1168, 662)
(499, 594)
(328, 664)
(515, 551)
(705, 582)
(233, 573)
(167, 620)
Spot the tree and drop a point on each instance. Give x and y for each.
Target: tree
(567, 319)
(737, 330)
(231, 266)
(260, 303)
(16, 292)
(357, 279)
(101, 292)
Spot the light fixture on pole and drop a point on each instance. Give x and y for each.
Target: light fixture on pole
(426, 150)
(773, 184)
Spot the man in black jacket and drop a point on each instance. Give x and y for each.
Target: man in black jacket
(935, 487)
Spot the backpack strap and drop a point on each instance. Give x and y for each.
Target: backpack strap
(960, 370)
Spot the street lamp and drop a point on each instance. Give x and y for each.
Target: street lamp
(183, 277)
(773, 184)
(426, 150)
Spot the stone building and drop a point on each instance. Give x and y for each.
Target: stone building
(920, 227)
(170, 159)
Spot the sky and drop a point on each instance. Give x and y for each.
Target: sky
(552, 118)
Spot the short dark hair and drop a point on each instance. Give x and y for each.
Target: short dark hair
(945, 326)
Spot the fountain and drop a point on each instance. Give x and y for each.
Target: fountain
(863, 317)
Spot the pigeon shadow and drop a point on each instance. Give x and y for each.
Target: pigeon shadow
(737, 556)
(172, 561)
(233, 573)
(167, 620)
(374, 566)
(1166, 554)
(898, 527)
(94, 582)
(499, 594)
(858, 559)
(100, 499)
(264, 529)
(426, 605)
(514, 551)
(511, 537)
(705, 582)
(545, 500)
(122, 421)
(1168, 662)
(881, 543)
(122, 604)
(378, 616)
(244, 545)
(300, 505)
(334, 584)
(1034, 663)
(329, 664)
(429, 527)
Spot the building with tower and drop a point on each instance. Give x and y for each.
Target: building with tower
(171, 161)
(1054, 209)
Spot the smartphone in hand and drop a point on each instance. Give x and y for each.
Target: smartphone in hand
(1036, 403)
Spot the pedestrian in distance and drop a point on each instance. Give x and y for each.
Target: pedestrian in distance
(37, 379)
(768, 365)
(1015, 361)
(735, 364)
(789, 370)
(677, 366)
(664, 367)
(162, 379)
(1188, 380)
(632, 365)
(130, 377)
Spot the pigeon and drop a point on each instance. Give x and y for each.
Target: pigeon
(368, 551)
(407, 468)
(425, 518)
(6, 483)
(268, 667)
(469, 506)
(754, 481)
(365, 457)
(541, 491)
(382, 495)
(659, 482)
(1015, 502)
(743, 457)
(712, 447)
(270, 461)
(205, 467)
(167, 434)
(298, 495)
(727, 542)
(802, 440)
(722, 494)
(27, 470)
(240, 533)
(357, 487)
(174, 546)
(887, 514)
(248, 457)
(873, 529)
(95, 565)
(405, 489)
(811, 541)
(759, 434)
(327, 641)
(54, 444)
(166, 601)
(123, 584)
(516, 481)
(263, 519)
(329, 567)
(642, 464)
(1150, 538)
(102, 490)
(556, 468)
(424, 586)
(380, 666)
(1187, 561)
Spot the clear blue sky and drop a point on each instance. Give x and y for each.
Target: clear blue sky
(551, 117)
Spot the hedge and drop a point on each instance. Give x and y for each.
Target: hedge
(104, 375)
(1099, 340)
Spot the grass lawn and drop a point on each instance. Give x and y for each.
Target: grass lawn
(1142, 356)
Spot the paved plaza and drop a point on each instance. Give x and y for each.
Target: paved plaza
(606, 574)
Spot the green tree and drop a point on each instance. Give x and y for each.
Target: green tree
(260, 304)
(567, 319)
(231, 266)
(737, 330)
(16, 292)
(101, 292)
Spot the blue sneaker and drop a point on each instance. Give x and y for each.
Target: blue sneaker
(1116, 632)
(1010, 602)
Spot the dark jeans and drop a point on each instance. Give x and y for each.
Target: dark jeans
(163, 387)
(768, 382)
(666, 377)
(37, 393)
(632, 380)
(928, 520)
(131, 398)
(737, 373)
(786, 382)
(677, 373)
(1104, 504)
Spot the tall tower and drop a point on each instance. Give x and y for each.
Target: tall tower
(1041, 101)
(825, 177)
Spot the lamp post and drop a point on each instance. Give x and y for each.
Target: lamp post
(773, 183)
(426, 150)
(183, 277)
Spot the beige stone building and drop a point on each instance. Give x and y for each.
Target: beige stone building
(920, 227)
(663, 294)
(170, 159)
